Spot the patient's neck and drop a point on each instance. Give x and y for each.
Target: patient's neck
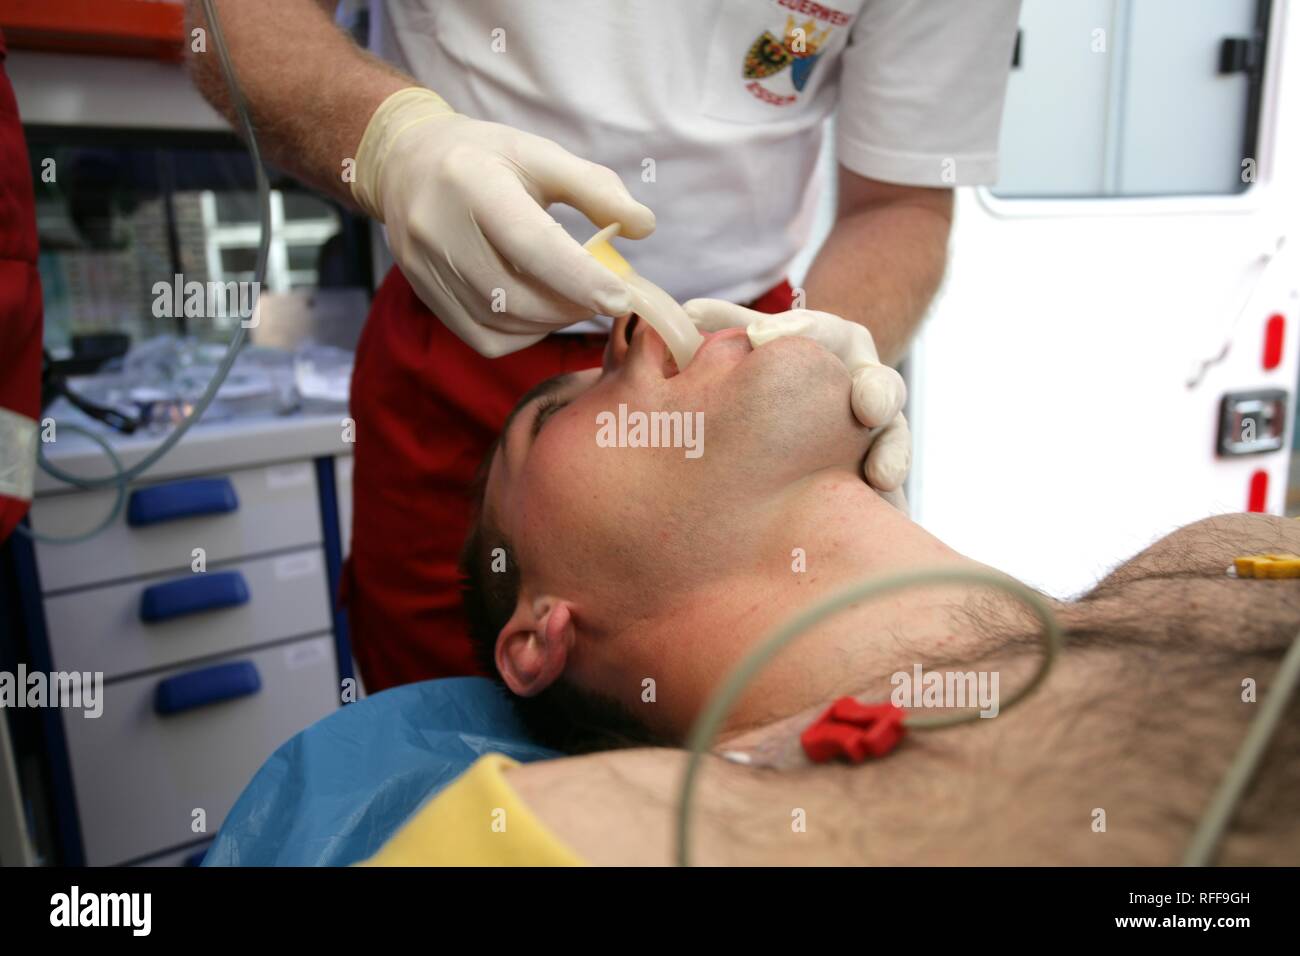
(813, 540)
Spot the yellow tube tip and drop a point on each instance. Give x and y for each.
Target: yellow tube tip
(605, 253)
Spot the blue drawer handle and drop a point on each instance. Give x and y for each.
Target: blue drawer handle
(200, 592)
(211, 685)
(181, 499)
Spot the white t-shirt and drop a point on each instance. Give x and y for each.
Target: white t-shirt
(712, 110)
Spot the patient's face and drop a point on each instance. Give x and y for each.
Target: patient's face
(587, 514)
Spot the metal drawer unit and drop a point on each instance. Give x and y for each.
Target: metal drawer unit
(229, 516)
(174, 730)
(244, 604)
(205, 672)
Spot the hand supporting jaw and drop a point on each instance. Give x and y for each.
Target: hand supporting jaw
(878, 391)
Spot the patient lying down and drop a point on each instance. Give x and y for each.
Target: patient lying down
(612, 589)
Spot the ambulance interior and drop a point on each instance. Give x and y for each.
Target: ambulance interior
(1126, 297)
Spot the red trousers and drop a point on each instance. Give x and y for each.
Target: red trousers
(20, 284)
(427, 407)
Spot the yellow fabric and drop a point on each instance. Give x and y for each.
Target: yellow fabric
(478, 820)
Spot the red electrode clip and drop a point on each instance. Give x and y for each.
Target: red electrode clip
(853, 731)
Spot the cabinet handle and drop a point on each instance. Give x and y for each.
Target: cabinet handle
(181, 499)
(199, 592)
(210, 685)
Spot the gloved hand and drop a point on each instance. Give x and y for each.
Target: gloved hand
(465, 206)
(878, 391)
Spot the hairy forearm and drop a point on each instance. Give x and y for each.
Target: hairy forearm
(310, 89)
(881, 266)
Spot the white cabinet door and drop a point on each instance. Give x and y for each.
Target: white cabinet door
(1054, 122)
(1183, 123)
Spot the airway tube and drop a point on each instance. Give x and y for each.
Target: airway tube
(666, 317)
(657, 307)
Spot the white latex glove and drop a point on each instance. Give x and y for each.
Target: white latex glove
(465, 206)
(878, 392)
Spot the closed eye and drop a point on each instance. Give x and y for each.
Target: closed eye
(547, 407)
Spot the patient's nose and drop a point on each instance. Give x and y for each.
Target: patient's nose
(620, 340)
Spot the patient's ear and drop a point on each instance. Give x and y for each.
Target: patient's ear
(533, 647)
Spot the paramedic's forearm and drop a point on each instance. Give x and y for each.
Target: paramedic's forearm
(881, 266)
(309, 88)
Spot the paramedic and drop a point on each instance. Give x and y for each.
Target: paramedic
(710, 113)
